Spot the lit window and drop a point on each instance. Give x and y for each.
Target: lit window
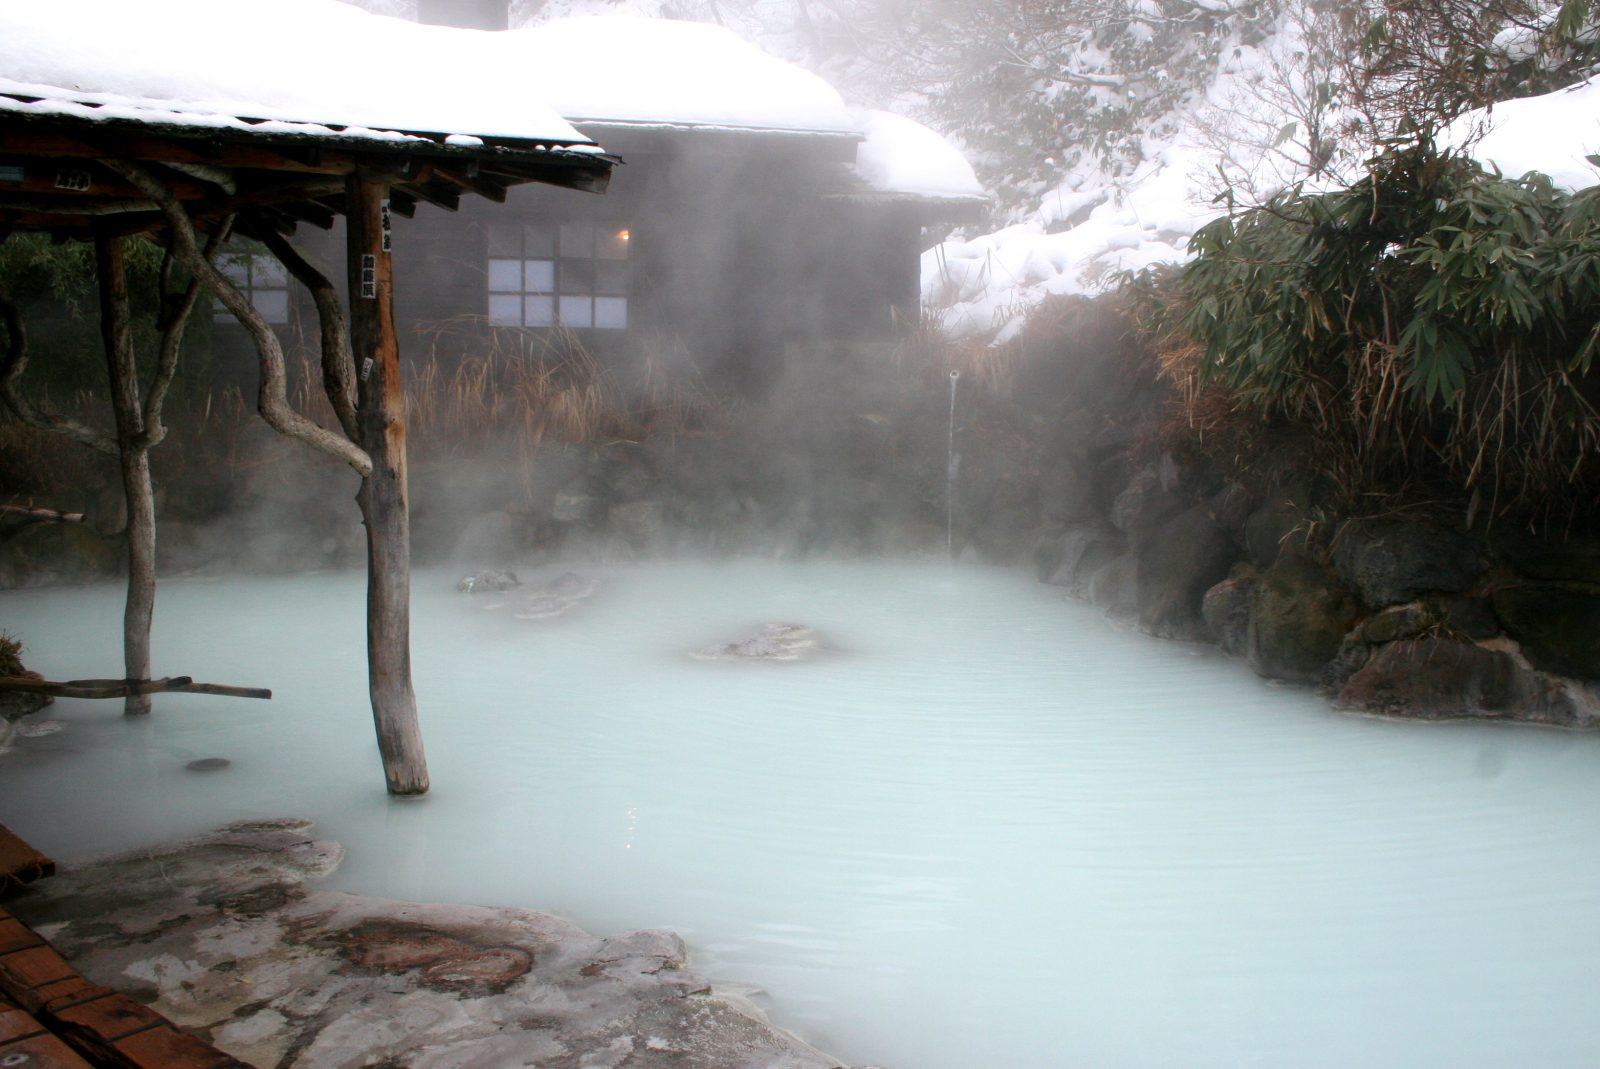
(573, 274)
(260, 277)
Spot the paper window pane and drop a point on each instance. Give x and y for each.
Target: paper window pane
(505, 241)
(267, 271)
(505, 276)
(539, 311)
(577, 239)
(538, 240)
(611, 313)
(272, 304)
(577, 276)
(577, 312)
(611, 243)
(611, 278)
(505, 310)
(236, 270)
(539, 276)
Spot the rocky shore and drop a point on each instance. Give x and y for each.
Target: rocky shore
(228, 936)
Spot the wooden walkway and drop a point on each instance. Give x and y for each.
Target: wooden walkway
(52, 1018)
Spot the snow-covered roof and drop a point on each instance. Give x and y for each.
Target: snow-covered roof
(672, 74)
(1551, 133)
(308, 67)
(899, 156)
(635, 71)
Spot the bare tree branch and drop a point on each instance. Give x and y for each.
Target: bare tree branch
(338, 365)
(272, 399)
(173, 321)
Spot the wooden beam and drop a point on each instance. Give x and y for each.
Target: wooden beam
(52, 144)
(122, 688)
(384, 496)
(484, 187)
(20, 863)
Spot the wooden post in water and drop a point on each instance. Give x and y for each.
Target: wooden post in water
(133, 452)
(383, 496)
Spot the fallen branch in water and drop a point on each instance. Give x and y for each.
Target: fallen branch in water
(28, 512)
(122, 688)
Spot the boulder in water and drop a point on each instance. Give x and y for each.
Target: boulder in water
(770, 642)
(549, 599)
(488, 582)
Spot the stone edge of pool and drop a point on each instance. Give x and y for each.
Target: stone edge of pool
(222, 935)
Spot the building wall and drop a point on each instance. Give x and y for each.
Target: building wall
(732, 257)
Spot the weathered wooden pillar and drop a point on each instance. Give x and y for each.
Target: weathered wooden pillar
(383, 496)
(133, 453)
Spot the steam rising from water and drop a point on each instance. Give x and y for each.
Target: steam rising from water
(983, 829)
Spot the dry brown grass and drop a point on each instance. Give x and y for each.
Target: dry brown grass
(479, 383)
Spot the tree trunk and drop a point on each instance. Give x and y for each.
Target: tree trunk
(383, 496)
(117, 333)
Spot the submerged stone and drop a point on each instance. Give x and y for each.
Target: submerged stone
(771, 642)
(488, 581)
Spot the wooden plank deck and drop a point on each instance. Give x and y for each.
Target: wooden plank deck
(53, 1018)
(19, 862)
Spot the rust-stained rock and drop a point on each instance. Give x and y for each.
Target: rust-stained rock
(221, 934)
(445, 961)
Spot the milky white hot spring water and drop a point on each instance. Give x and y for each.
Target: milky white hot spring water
(983, 829)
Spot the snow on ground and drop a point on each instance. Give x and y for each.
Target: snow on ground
(1551, 134)
(1085, 232)
(200, 62)
(1076, 242)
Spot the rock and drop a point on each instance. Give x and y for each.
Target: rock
(1226, 612)
(208, 764)
(1433, 678)
(551, 599)
(1557, 560)
(1394, 623)
(1390, 561)
(16, 704)
(1299, 615)
(488, 581)
(574, 503)
(1143, 506)
(1470, 618)
(221, 934)
(642, 524)
(1070, 558)
(1232, 507)
(770, 642)
(1114, 587)
(1557, 627)
(1187, 556)
(1280, 524)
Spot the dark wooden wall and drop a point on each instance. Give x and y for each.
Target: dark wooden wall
(735, 257)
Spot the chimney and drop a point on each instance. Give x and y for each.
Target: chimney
(466, 14)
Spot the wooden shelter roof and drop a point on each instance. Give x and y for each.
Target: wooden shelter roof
(262, 112)
(275, 173)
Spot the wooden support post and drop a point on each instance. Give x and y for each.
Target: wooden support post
(383, 496)
(134, 455)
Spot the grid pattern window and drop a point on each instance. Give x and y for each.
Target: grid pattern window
(260, 277)
(573, 274)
